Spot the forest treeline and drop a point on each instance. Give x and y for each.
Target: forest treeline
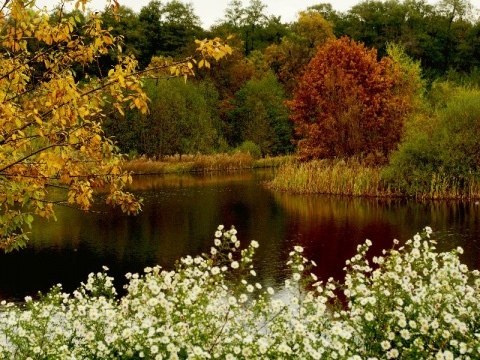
(243, 101)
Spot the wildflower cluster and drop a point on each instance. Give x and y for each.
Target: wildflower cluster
(410, 303)
(416, 303)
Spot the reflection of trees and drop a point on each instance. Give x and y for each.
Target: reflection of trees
(179, 217)
(181, 213)
(330, 227)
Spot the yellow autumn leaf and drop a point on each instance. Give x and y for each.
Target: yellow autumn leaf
(107, 40)
(56, 111)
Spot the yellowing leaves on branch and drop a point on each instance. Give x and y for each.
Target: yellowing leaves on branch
(52, 147)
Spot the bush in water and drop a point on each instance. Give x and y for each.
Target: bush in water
(411, 303)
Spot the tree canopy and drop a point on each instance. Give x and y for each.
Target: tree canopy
(349, 103)
(52, 146)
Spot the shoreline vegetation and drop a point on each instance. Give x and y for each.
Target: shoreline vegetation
(201, 163)
(350, 177)
(353, 178)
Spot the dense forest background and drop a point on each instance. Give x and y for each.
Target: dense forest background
(240, 101)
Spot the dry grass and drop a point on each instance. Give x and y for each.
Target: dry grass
(335, 177)
(352, 177)
(443, 186)
(200, 163)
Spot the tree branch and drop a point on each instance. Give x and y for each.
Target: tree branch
(28, 156)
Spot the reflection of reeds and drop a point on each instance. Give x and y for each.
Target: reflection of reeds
(200, 163)
(329, 177)
(145, 182)
(316, 208)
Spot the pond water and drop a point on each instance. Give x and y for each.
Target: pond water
(181, 213)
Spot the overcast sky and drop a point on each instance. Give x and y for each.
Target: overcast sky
(211, 10)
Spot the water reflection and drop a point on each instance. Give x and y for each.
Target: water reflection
(181, 212)
(331, 227)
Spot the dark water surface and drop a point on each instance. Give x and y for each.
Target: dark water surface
(180, 215)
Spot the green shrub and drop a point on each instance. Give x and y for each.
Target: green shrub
(441, 145)
(249, 147)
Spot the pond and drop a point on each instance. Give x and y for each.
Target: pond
(181, 213)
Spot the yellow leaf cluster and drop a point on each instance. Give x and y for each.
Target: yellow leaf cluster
(51, 123)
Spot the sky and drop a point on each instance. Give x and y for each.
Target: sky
(211, 10)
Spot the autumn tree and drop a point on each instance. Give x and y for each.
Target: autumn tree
(51, 123)
(289, 58)
(349, 103)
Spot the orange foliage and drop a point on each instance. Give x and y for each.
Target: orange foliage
(349, 103)
(289, 58)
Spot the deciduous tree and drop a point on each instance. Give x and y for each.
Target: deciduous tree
(439, 35)
(181, 120)
(254, 27)
(289, 58)
(349, 103)
(259, 115)
(50, 122)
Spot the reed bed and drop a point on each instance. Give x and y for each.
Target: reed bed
(273, 162)
(350, 177)
(353, 178)
(201, 163)
(444, 186)
(334, 177)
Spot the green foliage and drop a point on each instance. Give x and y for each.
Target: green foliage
(411, 73)
(259, 115)
(159, 28)
(413, 303)
(249, 147)
(442, 143)
(182, 119)
(442, 36)
(464, 79)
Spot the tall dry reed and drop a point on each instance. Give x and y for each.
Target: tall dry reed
(336, 177)
(352, 177)
(201, 163)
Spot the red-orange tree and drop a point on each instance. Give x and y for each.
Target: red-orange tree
(348, 103)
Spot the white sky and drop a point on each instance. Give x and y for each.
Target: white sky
(211, 10)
